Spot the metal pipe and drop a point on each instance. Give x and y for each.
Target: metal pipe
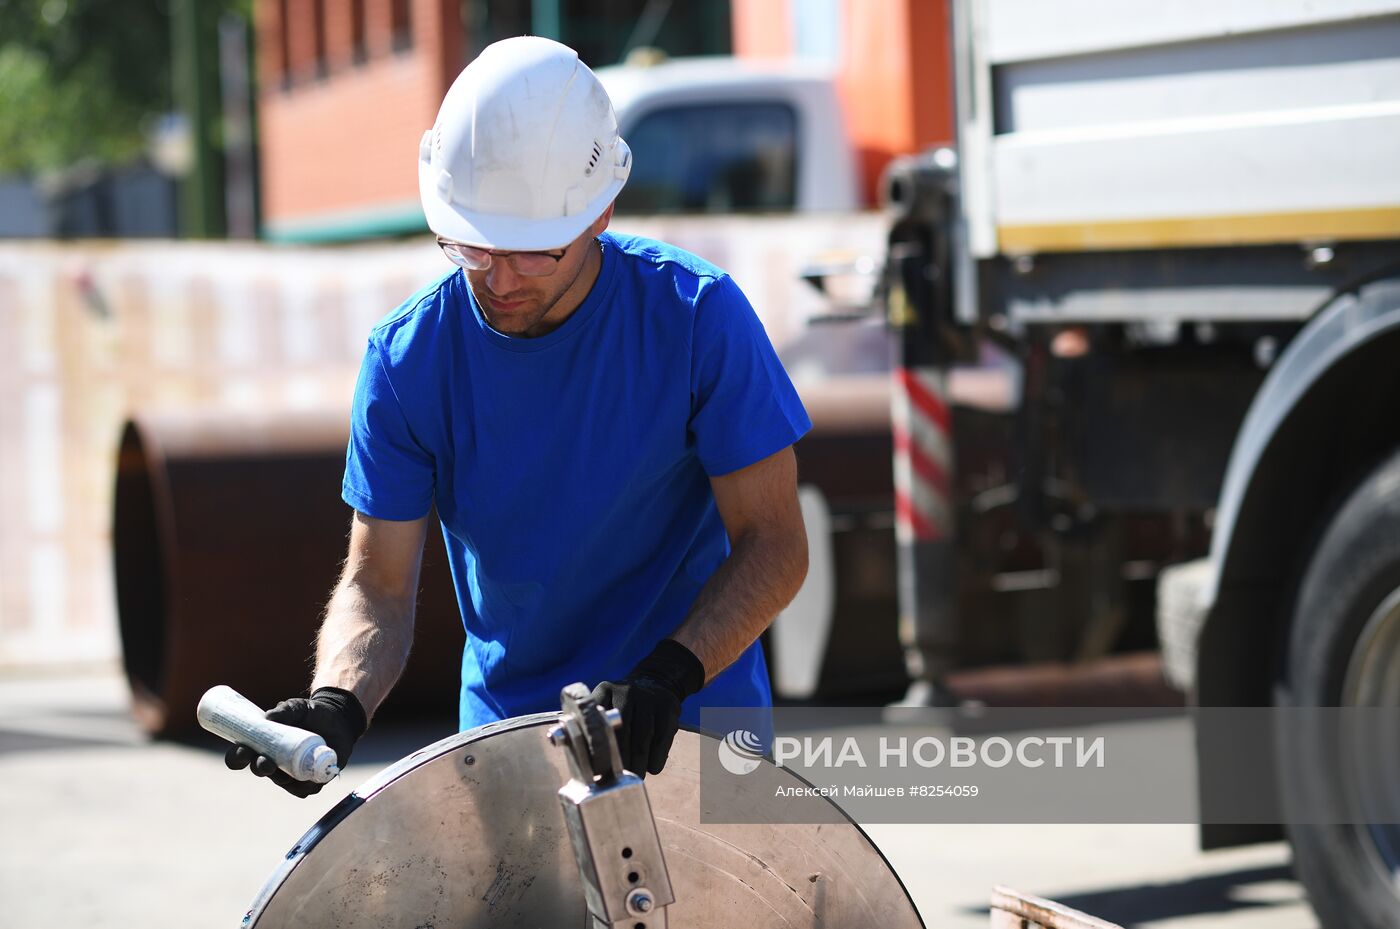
(228, 534)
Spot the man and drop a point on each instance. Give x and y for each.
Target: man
(600, 421)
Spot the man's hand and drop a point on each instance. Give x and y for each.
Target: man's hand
(334, 714)
(649, 700)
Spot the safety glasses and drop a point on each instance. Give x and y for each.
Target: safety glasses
(526, 264)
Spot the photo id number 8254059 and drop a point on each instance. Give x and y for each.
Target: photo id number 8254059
(943, 790)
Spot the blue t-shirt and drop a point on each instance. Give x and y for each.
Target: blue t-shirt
(571, 471)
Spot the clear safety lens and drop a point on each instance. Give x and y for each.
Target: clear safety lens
(528, 264)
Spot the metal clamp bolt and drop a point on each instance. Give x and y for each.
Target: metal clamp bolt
(640, 902)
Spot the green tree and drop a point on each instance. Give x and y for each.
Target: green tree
(83, 79)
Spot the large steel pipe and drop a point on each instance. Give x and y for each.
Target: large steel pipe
(847, 456)
(229, 532)
(228, 535)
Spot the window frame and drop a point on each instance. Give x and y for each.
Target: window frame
(680, 104)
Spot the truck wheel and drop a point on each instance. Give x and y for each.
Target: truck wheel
(1344, 650)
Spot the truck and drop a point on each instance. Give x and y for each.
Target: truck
(1184, 222)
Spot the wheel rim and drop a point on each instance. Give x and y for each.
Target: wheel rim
(1373, 680)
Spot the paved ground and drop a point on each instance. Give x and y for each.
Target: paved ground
(100, 828)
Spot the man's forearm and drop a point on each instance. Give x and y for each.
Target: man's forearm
(363, 644)
(762, 574)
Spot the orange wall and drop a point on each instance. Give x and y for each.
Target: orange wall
(761, 28)
(931, 36)
(894, 76)
(896, 80)
(350, 140)
(317, 156)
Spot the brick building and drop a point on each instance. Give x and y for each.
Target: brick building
(347, 87)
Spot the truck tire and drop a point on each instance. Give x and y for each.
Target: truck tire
(1343, 649)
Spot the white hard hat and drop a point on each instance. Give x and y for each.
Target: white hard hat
(525, 154)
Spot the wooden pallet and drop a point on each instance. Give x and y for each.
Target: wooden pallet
(1012, 909)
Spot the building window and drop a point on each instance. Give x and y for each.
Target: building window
(714, 158)
(284, 45)
(401, 24)
(359, 50)
(318, 26)
(603, 31)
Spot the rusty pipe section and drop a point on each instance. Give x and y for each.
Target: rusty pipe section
(847, 453)
(229, 532)
(228, 535)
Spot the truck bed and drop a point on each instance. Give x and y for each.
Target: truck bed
(1142, 126)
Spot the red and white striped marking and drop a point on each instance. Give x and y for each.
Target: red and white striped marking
(923, 455)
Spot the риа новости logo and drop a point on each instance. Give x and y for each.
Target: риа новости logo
(740, 752)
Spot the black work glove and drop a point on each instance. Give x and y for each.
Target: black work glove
(334, 714)
(649, 699)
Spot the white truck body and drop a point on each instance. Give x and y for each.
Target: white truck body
(1143, 125)
(1186, 216)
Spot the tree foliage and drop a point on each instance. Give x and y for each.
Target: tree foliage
(83, 79)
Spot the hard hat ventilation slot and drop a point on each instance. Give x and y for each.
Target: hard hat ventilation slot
(593, 159)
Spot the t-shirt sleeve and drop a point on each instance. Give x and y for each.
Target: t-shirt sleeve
(388, 474)
(743, 405)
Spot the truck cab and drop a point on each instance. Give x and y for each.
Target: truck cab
(721, 136)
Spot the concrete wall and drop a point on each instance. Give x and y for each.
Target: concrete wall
(91, 333)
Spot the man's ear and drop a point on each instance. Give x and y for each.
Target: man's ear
(602, 221)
